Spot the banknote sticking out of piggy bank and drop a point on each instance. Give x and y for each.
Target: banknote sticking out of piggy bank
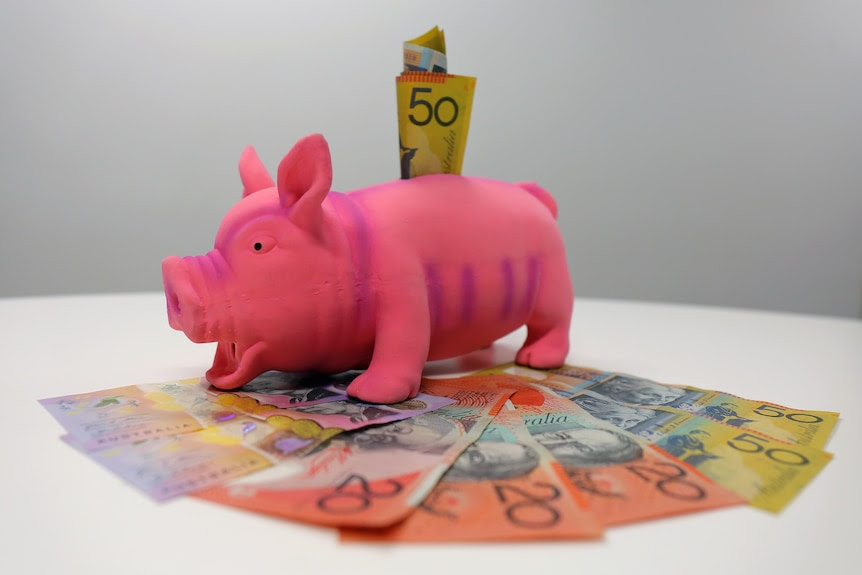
(383, 278)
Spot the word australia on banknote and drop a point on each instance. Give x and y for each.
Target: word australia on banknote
(123, 415)
(165, 467)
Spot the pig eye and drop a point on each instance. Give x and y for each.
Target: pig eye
(262, 245)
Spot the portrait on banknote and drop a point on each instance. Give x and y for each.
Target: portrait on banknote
(427, 433)
(639, 391)
(302, 395)
(576, 446)
(617, 414)
(300, 387)
(356, 412)
(490, 460)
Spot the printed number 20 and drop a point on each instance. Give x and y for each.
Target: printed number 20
(433, 112)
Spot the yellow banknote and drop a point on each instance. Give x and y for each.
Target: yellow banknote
(433, 120)
(766, 472)
(434, 109)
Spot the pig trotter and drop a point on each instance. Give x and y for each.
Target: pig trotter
(547, 351)
(373, 387)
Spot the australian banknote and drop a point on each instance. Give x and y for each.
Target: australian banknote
(623, 477)
(167, 466)
(767, 472)
(433, 107)
(323, 420)
(375, 476)
(123, 415)
(506, 486)
(286, 390)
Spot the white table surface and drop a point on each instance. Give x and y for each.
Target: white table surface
(61, 513)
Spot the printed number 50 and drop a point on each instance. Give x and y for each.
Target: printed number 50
(755, 444)
(767, 410)
(436, 111)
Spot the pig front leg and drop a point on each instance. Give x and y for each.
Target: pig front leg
(402, 340)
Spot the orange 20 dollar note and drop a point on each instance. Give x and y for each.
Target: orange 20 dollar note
(623, 477)
(504, 487)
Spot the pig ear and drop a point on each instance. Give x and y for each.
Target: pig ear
(253, 173)
(304, 178)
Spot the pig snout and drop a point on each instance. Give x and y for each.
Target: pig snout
(189, 285)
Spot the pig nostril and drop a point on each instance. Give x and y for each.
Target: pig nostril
(174, 303)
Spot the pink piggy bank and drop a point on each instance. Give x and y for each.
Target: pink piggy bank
(383, 278)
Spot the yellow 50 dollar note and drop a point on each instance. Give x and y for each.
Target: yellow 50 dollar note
(766, 472)
(434, 109)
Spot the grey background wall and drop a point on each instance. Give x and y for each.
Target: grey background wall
(701, 152)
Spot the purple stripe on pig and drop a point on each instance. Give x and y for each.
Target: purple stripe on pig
(508, 287)
(435, 294)
(359, 238)
(468, 293)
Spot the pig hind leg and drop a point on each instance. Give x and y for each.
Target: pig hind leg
(547, 343)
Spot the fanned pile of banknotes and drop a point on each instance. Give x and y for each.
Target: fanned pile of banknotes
(506, 454)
